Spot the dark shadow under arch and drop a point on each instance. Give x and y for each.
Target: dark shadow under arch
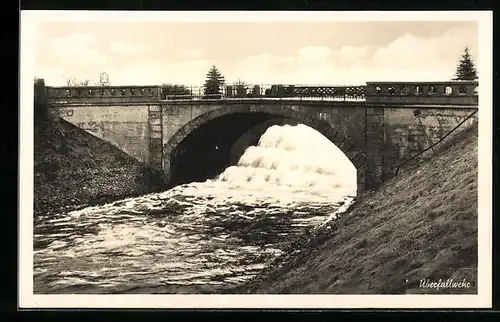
(353, 153)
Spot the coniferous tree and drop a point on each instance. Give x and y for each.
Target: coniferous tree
(213, 83)
(466, 69)
(241, 88)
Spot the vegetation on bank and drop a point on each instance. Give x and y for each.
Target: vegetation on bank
(73, 168)
(421, 225)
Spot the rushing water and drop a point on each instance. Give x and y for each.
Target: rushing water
(199, 237)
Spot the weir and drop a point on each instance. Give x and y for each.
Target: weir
(297, 158)
(376, 126)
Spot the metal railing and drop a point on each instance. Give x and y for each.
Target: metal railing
(342, 93)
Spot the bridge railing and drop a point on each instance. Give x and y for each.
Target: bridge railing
(241, 91)
(451, 92)
(444, 92)
(180, 92)
(104, 93)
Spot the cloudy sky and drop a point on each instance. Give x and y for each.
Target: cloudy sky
(259, 53)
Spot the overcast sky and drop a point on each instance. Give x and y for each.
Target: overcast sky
(258, 53)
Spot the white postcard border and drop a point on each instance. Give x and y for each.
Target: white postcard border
(29, 21)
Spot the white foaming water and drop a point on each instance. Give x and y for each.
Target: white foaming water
(200, 236)
(292, 159)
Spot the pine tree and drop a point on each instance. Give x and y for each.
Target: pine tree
(213, 84)
(466, 70)
(241, 88)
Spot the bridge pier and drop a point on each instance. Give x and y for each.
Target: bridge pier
(155, 123)
(375, 139)
(361, 178)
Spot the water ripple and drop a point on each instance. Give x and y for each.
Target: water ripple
(210, 235)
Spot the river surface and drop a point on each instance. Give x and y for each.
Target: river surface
(201, 237)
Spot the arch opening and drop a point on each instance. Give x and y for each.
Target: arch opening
(207, 151)
(211, 147)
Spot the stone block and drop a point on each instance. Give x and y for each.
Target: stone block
(375, 111)
(154, 114)
(288, 112)
(230, 109)
(308, 119)
(156, 128)
(278, 108)
(154, 108)
(323, 128)
(247, 107)
(157, 165)
(254, 108)
(155, 156)
(155, 121)
(154, 141)
(374, 142)
(197, 122)
(154, 134)
(349, 146)
(358, 159)
(156, 149)
(339, 140)
(374, 122)
(374, 159)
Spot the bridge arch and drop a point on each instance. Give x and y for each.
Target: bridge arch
(354, 154)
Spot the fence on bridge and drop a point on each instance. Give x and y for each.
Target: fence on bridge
(177, 92)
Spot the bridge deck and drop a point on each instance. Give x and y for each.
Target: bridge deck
(224, 101)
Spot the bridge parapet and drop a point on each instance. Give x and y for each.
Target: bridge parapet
(449, 93)
(103, 94)
(431, 93)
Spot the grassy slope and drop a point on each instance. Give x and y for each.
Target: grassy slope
(73, 167)
(420, 225)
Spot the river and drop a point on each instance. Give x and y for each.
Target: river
(201, 237)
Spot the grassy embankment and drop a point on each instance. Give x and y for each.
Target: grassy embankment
(73, 168)
(422, 224)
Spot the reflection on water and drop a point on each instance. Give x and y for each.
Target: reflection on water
(199, 237)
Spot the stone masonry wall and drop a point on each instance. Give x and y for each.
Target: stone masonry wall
(125, 126)
(410, 131)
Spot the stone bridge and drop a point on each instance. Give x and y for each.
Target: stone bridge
(378, 126)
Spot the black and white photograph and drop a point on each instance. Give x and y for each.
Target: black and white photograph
(198, 159)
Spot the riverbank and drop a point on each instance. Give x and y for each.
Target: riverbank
(74, 169)
(421, 225)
